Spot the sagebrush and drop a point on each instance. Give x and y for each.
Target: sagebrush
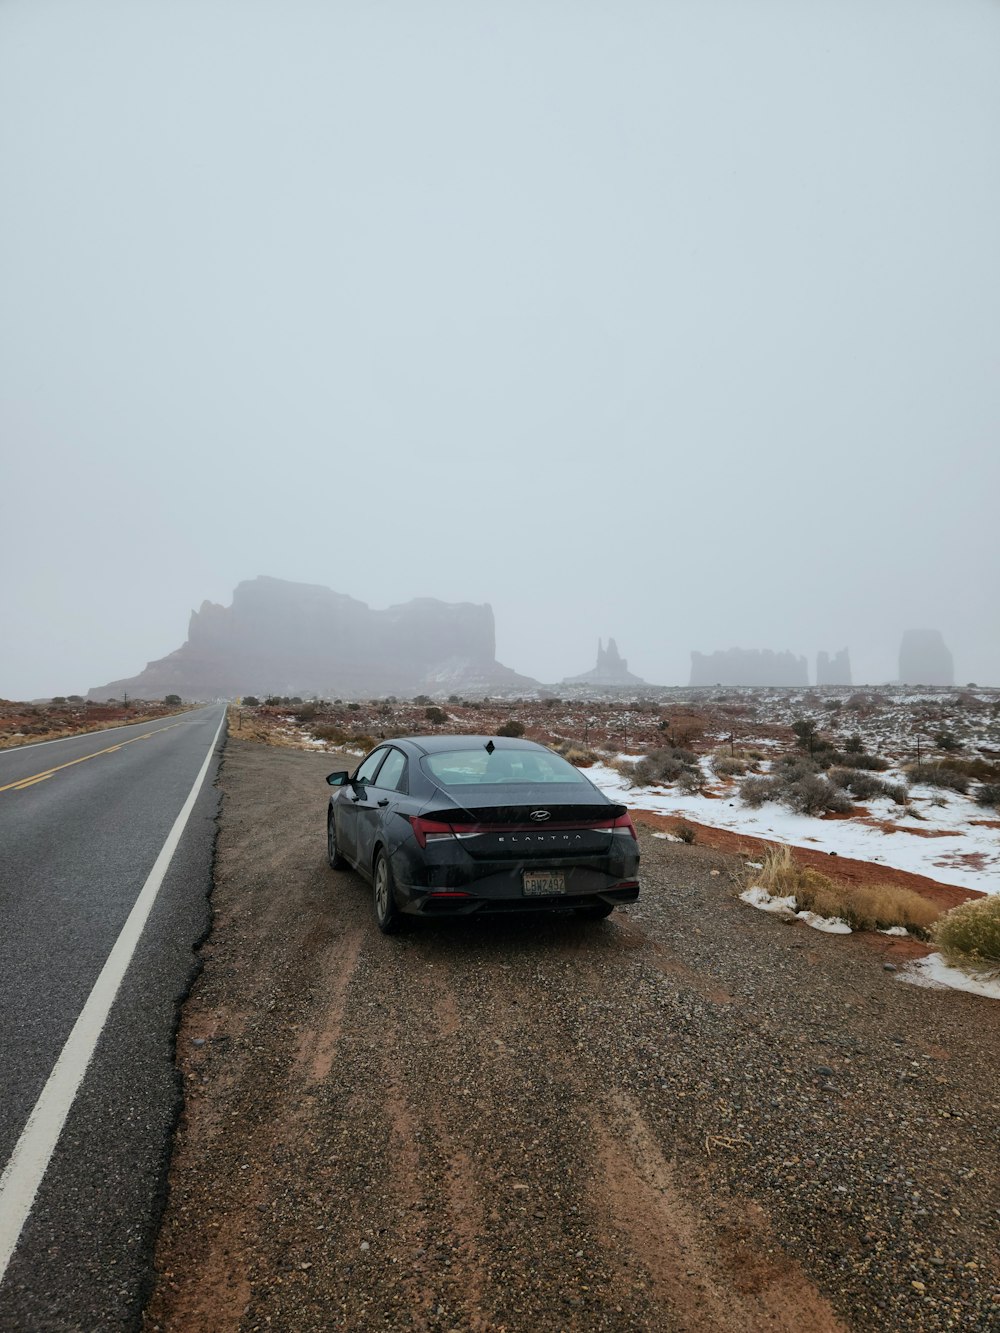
(969, 935)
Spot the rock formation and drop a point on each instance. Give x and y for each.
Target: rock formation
(748, 666)
(298, 638)
(924, 658)
(834, 670)
(611, 669)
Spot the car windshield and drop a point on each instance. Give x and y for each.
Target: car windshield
(473, 768)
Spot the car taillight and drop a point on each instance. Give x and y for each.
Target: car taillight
(429, 830)
(623, 824)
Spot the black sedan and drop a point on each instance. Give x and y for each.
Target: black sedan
(455, 825)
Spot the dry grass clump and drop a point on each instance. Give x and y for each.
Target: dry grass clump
(862, 906)
(989, 794)
(578, 755)
(969, 935)
(685, 832)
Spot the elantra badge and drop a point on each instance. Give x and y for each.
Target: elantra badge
(539, 816)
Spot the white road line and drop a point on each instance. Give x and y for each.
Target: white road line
(30, 1159)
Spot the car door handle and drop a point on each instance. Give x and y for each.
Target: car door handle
(383, 804)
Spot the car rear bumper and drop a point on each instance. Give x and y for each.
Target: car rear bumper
(420, 901)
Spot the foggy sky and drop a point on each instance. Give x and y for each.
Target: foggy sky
(678, 322)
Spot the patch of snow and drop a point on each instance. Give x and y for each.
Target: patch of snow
(831, 925)
(895, 930)
(966, 855)
(936, 974)
(758, 897)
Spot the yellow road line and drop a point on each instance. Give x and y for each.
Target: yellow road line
(21, 783)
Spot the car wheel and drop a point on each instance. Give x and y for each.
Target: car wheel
(333, 855)
(594, 911)
(386, 912)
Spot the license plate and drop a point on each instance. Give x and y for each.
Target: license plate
(542, 883)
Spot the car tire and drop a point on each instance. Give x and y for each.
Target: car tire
(387, 916)
(594, 911)
(337, 862)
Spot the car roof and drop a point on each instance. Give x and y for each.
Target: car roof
(435, 744)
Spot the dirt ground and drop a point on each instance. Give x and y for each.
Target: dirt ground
(688, 1117)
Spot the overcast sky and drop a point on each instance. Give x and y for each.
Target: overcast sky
(678, 322)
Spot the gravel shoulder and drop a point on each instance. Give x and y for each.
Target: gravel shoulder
(688, 1117)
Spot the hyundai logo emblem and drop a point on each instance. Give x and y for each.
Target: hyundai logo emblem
(540, 816)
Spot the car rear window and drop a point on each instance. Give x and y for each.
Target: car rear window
(475, 768)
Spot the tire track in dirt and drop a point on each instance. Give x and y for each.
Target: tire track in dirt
(687, 1263)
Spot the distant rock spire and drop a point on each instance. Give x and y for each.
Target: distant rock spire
(611, 669)
(924, 658)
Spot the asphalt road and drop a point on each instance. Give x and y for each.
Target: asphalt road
(83, 822)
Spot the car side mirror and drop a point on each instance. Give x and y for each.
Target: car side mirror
(337, 779)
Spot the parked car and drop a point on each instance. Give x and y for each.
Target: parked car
(456, 825)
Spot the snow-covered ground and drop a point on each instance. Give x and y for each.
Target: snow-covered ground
(967, 853)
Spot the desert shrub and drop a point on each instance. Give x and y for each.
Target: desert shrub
(170, 699)
(938, 775)
(854, 744)
(435, 715)
(251, 701)
(969, 935)
(332, 734)
(756, 791)
(988, 794)
(660, 766)
(871, 762)
(865, 786)
(814, 795)
(805, 732)
(792, 767)
(728, 766)
(421, 698)
(362, 742)
(947, 740)
(511, 728)
(972, 768)
(690, 780)
(685, 832)
(306, 713)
